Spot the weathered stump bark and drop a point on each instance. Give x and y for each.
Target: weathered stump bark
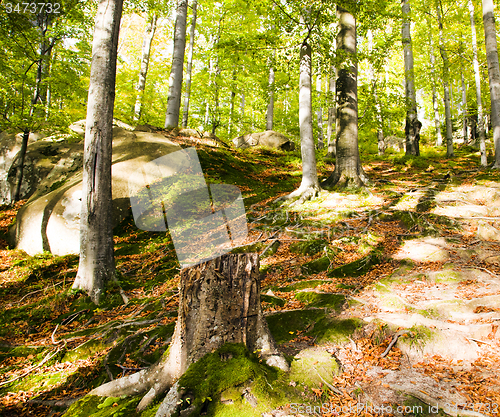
(219, 303)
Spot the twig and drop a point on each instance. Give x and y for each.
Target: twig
(393, 342)
(34, 292)
(47, 357)
(73, 316)
(478, 341)
(330, 386)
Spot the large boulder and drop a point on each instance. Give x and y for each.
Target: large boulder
(50, 220)
(269, 138)
(10, 144)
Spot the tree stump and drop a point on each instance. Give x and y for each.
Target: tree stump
(219, 303)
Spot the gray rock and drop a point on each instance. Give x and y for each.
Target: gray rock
(269, 138)
(50, 220)
(398, 144)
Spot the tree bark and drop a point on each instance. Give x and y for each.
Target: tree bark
(189, 68)
(493, 74)
(477, 78)
(270, 95)
(464, 107)
(435, 105)
(332, 110)
(348, 171)
(219, 303)
(319, 112)
(309, 187)
(446, 84)
(378, 106)
(412, 128)
(96, 264)
(176, 72)
(20, 165)
(143, 72)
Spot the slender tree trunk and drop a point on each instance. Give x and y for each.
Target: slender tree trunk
(309, 187)
(96, 230)
(412, 128)
(332, 113)
(20, 165)
(176, 73)
(219, 303)
(435, 104)
(270, 95)
(348, 171)
(493, 74)
(446, 84)
(477, 78)
(378, 106)
(143, 72)
(464, 107)
(319, 112)
(185, 113)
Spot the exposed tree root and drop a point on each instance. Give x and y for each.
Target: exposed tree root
(219, 303)
(300, 195)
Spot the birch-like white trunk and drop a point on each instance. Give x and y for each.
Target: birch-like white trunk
(378, 106)
(435, 104)
(319, 113)
(332, 112)
(477, 78)
(143, 72)
(412, 123)
(270, 95)
(465, 127)
(446, 84)
(97, 264)
(176, 72)
(493, 74)
(189, 67)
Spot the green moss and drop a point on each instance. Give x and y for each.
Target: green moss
(316, 266)
(357, 268)
(311, 367)
(103, 407)
(308, 247)
(311, 283)
(228, 367)
(275, 301)
(284, 326)
(334, 330)
(314, 299)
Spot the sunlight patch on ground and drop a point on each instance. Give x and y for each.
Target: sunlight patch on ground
(424, 250)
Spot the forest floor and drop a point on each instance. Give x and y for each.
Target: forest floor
(385, 302)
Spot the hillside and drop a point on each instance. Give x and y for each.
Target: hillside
(387, 297)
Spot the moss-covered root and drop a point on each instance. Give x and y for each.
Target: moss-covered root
(301, 195)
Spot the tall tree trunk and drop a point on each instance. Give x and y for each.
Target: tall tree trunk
(378, 106)
(143, 72)
(332, 113)
(464, 107)
(187, 94)
(270, 94)
(219, 303)
(319, 112)
(477, 78)
(493, 74)
(348, 171)
(435, 105)
(20, 165)
(413, 125)
(97, 263)
(176, 73)
(446, 84)
(309, 187)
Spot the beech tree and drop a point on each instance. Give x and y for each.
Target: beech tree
(176, 72)
(348, 170)
(493, 74)
(96, 265)
(413, 125)
(149, 34)
(446, 82)
(189, 68)
(477, 80)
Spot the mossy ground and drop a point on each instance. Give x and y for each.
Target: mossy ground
(333, 247)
